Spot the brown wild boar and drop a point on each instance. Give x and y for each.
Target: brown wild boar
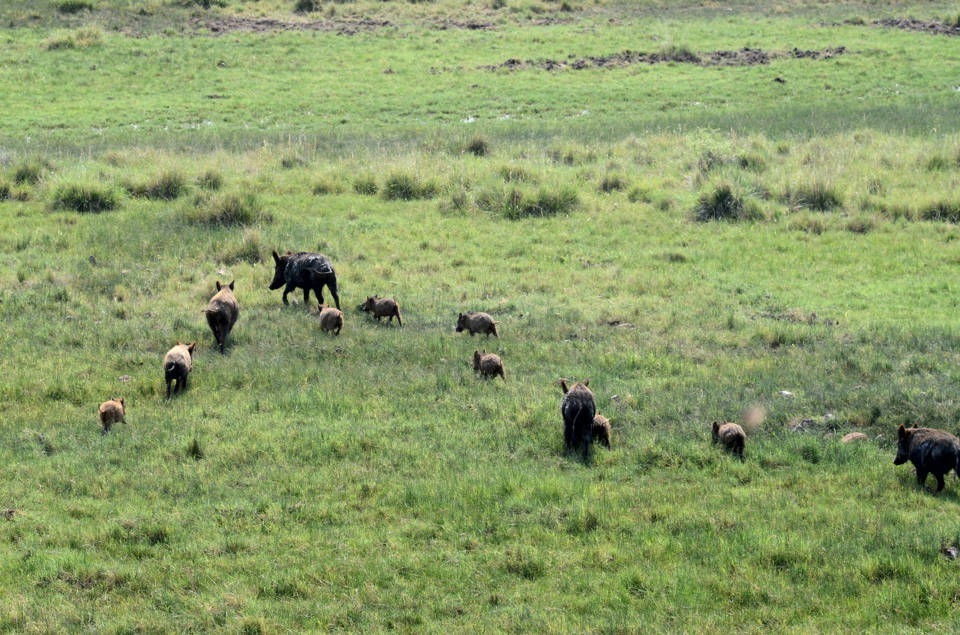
(731, 436)
(111, 412)
(488, 364)
(222, 312)
(477, 322)
(930, 450)
(853, 436)
(601, 430)
(382, 307)
(177, 364)
(578, 410)
(331, 320)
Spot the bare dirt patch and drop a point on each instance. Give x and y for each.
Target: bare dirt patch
(933, 27)
(223, 25)
(739, 57)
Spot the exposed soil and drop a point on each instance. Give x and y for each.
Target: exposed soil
(740, 57)
(224, 25)
(933, 27)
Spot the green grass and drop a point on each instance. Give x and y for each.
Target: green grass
(371, 481)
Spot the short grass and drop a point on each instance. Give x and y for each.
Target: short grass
(370, 481)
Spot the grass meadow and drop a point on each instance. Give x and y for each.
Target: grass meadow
(702, 241)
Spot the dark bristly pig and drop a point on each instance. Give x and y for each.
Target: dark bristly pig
(477, 322)
(578, 410)
(307, 271)
(930, 450)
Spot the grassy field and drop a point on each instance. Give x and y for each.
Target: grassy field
(371, 481)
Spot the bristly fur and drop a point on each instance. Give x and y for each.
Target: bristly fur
(601, 430)
(331, 320)
(305, 270)
(222, 312)
(488, 365)
(477, 322)
(930, 450)
(578, 409)
(177, 364)
(731, 436)
(111, 412)
(382, 307)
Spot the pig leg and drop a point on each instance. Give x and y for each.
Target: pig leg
(288, 289)
(306, 297)
(332, 285)
(939, 481)
(921, 477)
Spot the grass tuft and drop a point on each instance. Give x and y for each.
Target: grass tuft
(722, 202)
(85, 197)
(478, 147)
(306, 6)
(74, 6)
(84, 37)
(250, 249)
(210, 180)
(365, 185)
(166, 186)
(817, 196)
(677, 53)
(405, 187)
(946, 211)
(327, 186)
(612, 183)
(225, 209)
(194, 451)
(30, 171)
(516, 203)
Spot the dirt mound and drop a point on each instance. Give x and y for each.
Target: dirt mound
(235, 24)
(740, 57)
(933, 27)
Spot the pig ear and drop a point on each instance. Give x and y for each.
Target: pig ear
(716, 426)
(901, 432)
(586, 382)
(191, 347)
(231, 284)
(218, 285)
(122, 402)
(276, 256)
(563, 385)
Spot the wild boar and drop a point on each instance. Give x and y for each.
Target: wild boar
(307, 271)
(331, 320)
(222, 312)
(930, 450)
(578, 410)
(477, 322)
(488, 364)
(731, 436)
(177, 364)
(601, 430)
(853, 436)
(111, 412)
(382, 307)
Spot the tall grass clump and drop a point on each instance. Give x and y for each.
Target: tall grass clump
(166, 186)
(612, 183)
(30, 171)
(365, 185)
(724, 201)
(84, 37)
(74, 6)
(515, 203)
(677, 53)
(817, 196)
(327, 186)
(225, 209)
(478, 147)
(306, 6)
(85, 197)
(514, 174)
(4, 191)
(210, 180)
(945, 211)
(404, 187)
(249, 249)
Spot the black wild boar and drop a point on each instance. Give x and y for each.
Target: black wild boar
(307, 271)
(930, 450)
(382, 307)
(729, 435)
(488, 364)
(222, 312)
(177, 364)
(601, 430)
(476, 322)
(578, 410)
